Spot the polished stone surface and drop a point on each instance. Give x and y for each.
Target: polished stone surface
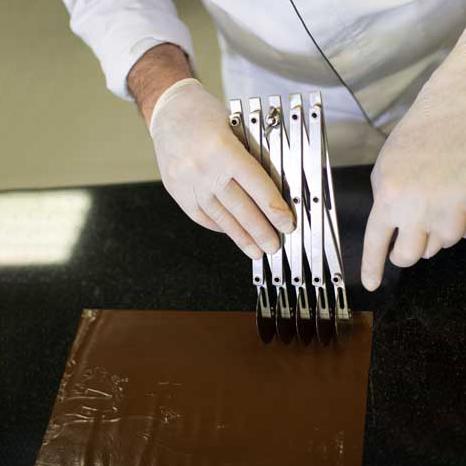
(131, 247)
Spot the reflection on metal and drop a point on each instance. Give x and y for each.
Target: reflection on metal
(41, 228)
(299, 164)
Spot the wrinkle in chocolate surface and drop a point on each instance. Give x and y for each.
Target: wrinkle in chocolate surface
(161, 388)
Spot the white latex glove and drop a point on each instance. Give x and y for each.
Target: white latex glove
(419, 179)
(211, 175)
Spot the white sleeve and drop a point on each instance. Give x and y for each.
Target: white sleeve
(121, 31)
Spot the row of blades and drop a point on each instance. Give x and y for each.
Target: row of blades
(298, 162)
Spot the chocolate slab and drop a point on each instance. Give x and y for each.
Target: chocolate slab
(172, 388)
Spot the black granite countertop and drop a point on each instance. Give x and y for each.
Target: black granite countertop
(131, 247)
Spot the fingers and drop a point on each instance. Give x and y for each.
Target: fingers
(259, 186)
(451, 228)
(447, 233)
(246, 212)
(202, 219)
(376, 242)
(434, 244)
(409, 246)
(188, 202)
(225, 220)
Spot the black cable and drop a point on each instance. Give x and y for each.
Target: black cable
(337, 74)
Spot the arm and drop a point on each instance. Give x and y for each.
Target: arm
(143, 50)
(202, 164)
(120, 32)
(158, 69)
(419, 179)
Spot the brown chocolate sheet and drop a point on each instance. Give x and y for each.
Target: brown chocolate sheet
(161, 388)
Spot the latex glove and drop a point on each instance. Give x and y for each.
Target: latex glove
(211, 175)
(419, 179)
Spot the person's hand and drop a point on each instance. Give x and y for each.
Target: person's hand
(211, 175)
(419, 179)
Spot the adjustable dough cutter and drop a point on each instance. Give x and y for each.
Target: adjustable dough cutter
(310, 256)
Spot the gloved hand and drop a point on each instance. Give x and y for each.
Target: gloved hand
(419, 179)
(211, 175)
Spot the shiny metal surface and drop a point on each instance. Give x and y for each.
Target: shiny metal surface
(253, 140)
(300, 167)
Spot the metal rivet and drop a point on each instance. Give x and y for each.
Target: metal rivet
(315, 199)
(316, 280)
(257, 279)
(314, 115)
(296, 200)
(253, 121)
(294, 116)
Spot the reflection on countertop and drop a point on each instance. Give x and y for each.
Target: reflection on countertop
(40, 228)
(133, 248)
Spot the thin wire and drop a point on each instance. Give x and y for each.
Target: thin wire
(337, 74)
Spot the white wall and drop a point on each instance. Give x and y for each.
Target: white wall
(59, 126)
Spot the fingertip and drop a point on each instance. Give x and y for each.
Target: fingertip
(369, 281)
(272, 246)
(376, 243)
(253, 252)
(400, 261)
(281, 216)
(288, 226)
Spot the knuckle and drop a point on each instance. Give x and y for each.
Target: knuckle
(199, 166)
(390, 190)
(218, 214)
(223, 183)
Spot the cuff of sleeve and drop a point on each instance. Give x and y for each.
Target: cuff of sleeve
(128, 36)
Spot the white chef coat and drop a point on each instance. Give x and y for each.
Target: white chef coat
(384, 50)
